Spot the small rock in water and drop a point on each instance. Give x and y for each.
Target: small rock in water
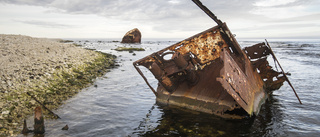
(65, 127)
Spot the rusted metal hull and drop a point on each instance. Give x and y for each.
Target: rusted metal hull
(209, 72)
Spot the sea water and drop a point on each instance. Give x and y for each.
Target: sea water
(121, 104)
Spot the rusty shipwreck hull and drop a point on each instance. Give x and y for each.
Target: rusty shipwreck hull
(209, 72)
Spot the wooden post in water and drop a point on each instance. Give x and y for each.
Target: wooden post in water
(38, 121)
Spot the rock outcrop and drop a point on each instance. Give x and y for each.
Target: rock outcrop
(132, 36)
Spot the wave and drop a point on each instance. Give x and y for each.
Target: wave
(312, 54)
(296, 44)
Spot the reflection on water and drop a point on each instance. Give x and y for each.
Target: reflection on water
(121, 104)
(175, 121)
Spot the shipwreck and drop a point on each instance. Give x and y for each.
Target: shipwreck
(209, 72)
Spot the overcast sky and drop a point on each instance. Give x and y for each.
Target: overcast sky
(159, 18)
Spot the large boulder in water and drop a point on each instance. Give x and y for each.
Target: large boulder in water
(132, 36)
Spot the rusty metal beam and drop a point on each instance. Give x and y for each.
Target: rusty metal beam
(284, 74)
(145, 79)
(208, 12)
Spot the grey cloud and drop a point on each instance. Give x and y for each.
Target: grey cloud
(45, 24)
(27, 2)
(296, 3)
(312, 17)
(161, 14)
(142, 9)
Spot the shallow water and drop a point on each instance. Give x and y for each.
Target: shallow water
(121, 104)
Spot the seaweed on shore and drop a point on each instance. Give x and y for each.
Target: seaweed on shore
(65, 41)
(129, 49)
(52, 91)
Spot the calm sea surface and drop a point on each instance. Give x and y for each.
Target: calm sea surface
(121, 104)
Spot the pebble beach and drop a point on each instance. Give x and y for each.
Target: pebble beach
(48, 69)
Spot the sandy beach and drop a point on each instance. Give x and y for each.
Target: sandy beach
(50, 70)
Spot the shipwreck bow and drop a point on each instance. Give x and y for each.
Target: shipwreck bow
(209, 72)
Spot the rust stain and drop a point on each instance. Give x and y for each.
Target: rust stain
(258, 56)
(236, 83)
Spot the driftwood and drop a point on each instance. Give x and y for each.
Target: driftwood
(43, 105)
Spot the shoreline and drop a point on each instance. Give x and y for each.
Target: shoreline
(47, 69)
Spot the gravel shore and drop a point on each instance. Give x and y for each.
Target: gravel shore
(45, 68)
